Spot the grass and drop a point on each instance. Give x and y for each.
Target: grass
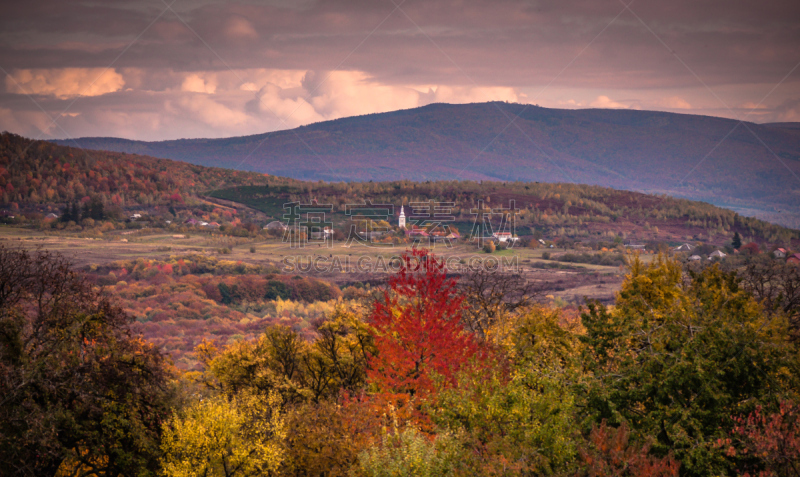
(160, 245)
(111, 247)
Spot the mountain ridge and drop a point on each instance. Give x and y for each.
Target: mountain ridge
(718, 160)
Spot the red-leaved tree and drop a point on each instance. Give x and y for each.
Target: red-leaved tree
(418, 332)
(750, 249)
(610, 453)
(769, 444)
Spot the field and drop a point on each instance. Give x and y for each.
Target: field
(571, 282)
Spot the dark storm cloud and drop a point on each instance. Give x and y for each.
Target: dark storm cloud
(659, 55)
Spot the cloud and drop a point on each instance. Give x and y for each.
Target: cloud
(165, 104)
(158, 104)
(333, 95)
(789, 111)
(281, 50)
(9, 121)
(605, 102)
(211, 112)
(28, 123)
(288, 109)
(199, 83)
(64, 82)
(350, 93)
(239, 28)
(674, 102)
(473, 94)
(752, 105)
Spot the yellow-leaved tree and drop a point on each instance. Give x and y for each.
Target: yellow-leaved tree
(219, 436)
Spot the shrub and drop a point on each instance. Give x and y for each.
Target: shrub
(409, 452)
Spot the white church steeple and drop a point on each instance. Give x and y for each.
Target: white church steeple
(402, 221)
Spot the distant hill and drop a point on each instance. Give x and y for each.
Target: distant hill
(698, 157)
(784, 125)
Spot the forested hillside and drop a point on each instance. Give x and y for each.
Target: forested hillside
(39, 172)
(704, 158)
(565, 211)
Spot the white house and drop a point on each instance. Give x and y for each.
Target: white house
(276, 225)
(136, 216)
(684, 248)
(779, 253)
(717, 254)
(504, 237)
(695, 258)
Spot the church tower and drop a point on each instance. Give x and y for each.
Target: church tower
(402, 221)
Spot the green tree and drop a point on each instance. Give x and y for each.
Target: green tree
(277, 289)
(280, 360)
(678, 356)
(97, 212)
(77, 391)
(737, 240)
(228, 293)
(519, 414)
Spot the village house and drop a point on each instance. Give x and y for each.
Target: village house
(695, 258)
(504, 237)
(317, 234)
(779, 253)
(718, 254)
(684, 248)
(276, 225)
(416, 232)
(794, 259)
(441, 235)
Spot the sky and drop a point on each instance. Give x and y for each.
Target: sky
(170, 69)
